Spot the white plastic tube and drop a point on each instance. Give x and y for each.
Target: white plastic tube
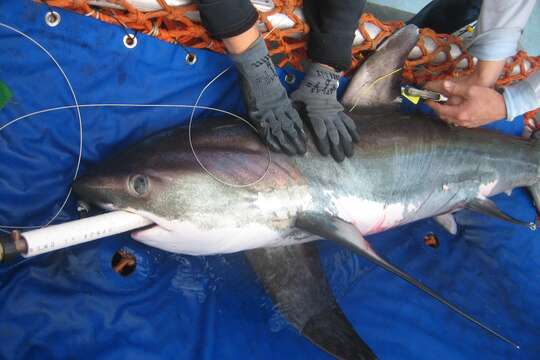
(76, 232)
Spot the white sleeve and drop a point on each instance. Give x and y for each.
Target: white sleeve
(499, 28)
(522, 96)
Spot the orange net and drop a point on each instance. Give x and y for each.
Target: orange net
(436, 56)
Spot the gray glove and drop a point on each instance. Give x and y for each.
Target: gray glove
(269, 107)
(317, 100)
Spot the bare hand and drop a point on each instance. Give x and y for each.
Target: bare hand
(468, 105)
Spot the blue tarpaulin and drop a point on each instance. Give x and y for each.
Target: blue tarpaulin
(71, 304)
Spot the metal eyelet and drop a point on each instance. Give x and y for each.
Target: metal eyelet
(290, 79)
(191, 59)
(52, 18)
(130, 41)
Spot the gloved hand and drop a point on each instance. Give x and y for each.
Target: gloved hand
(267, 102)
(317, 100)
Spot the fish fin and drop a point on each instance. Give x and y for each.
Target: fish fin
(535, 193)
(338, 230)
(534, 189)
(488, 207)
(345, 233)
(294, 279)
(448, 222)
(378, 80)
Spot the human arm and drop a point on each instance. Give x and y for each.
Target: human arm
(332, 30)
(267, 103)
(498, 31)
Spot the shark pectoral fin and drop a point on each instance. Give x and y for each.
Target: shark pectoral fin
(448, 222)
(294, 279)
(488, 207)
(333, 228)
(535, 193)
(345, 233)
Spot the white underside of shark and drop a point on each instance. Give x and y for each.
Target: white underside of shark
(185, 237)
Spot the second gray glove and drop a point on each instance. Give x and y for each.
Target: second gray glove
(316, 98)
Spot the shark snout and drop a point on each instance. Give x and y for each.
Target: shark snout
(95, 189)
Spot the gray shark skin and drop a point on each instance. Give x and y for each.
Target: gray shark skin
(405, 168)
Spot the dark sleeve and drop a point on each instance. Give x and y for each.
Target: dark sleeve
(332, 25)
(227, 18)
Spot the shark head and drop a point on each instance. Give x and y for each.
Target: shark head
(201, 208)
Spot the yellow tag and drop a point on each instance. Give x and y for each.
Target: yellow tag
(413, 99)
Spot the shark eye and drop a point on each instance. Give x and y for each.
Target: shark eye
(138, 185)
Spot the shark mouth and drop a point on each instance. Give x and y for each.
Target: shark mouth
(160, 223)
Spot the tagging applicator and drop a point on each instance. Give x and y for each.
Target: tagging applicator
(414, 94)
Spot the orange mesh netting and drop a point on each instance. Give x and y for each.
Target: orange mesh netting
(436, 56)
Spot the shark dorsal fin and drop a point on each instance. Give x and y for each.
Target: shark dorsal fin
(377, 81)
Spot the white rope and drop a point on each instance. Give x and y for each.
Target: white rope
(77, 106)
(195, 153)
(125, 105)
(247, 122)
(79, 158)
(35, 42)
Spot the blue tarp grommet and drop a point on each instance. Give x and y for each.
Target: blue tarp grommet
(191, 58)
(130, 41)
(52, 18)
